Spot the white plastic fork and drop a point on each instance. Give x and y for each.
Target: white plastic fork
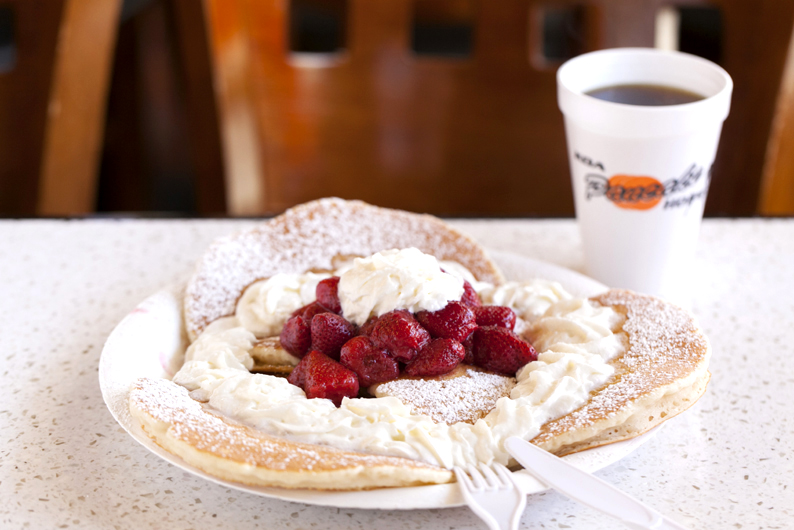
(492, 493)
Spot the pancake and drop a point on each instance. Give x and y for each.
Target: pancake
(271, 358)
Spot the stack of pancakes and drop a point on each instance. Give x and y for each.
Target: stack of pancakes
(662, 372)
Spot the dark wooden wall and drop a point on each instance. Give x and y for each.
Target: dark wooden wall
(24, 97)
(163, 147)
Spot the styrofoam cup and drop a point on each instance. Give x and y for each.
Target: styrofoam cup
(641, 173)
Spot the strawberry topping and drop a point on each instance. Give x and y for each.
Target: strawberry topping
(366, 329)
(308, 311)
(500, 350)
(400, 334)
(438, 357)
(296, 336)
(298, 375)
(495, 315)
(327, 295)
(329, 332)
(322, 377)
(372, 365)
(430, 343)
(468, 346)
(470, 296)
(455, 321)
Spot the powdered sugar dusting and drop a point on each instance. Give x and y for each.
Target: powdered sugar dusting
(665, 346)
(308, 237)
(467, 397)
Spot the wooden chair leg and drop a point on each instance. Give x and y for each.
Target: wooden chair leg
(75, 121)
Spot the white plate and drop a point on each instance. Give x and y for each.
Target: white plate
(150, 342)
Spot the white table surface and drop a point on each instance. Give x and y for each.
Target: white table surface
(64, 462)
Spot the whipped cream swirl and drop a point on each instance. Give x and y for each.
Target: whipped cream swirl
(395, 279)
(266, 305)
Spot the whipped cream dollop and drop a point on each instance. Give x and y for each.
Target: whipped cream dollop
(266, 305)
(395, 279)
(529, 299)
(576, 339)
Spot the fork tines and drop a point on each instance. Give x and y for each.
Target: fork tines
(484, 477)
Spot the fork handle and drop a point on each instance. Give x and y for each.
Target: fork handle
(586, 488)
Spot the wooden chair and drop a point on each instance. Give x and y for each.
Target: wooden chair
(52, 103)
(473, 135)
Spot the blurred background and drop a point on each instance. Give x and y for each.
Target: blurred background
(246, 107)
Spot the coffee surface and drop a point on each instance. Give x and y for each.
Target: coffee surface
(646, 95)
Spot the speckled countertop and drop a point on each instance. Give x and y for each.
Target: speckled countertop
(65, 463)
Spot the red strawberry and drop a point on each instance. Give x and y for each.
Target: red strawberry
(500, 350)
(373, 365)
(468, 346)
(329, 332)
(322, 377)
(470, 296)
(297, 376)
(400, 334)
(296, 335)
(455, 321)
(438, 357)
(308, 311)
(495, 315)
(327, 295)
(366, 329)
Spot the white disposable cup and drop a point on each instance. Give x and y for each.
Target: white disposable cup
(641, 233)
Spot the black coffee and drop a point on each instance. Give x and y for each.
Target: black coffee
(648, 95)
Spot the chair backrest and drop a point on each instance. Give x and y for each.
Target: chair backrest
(477, 131)
(56, 58)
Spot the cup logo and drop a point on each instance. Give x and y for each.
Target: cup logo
(642, 192)
(634, 192)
